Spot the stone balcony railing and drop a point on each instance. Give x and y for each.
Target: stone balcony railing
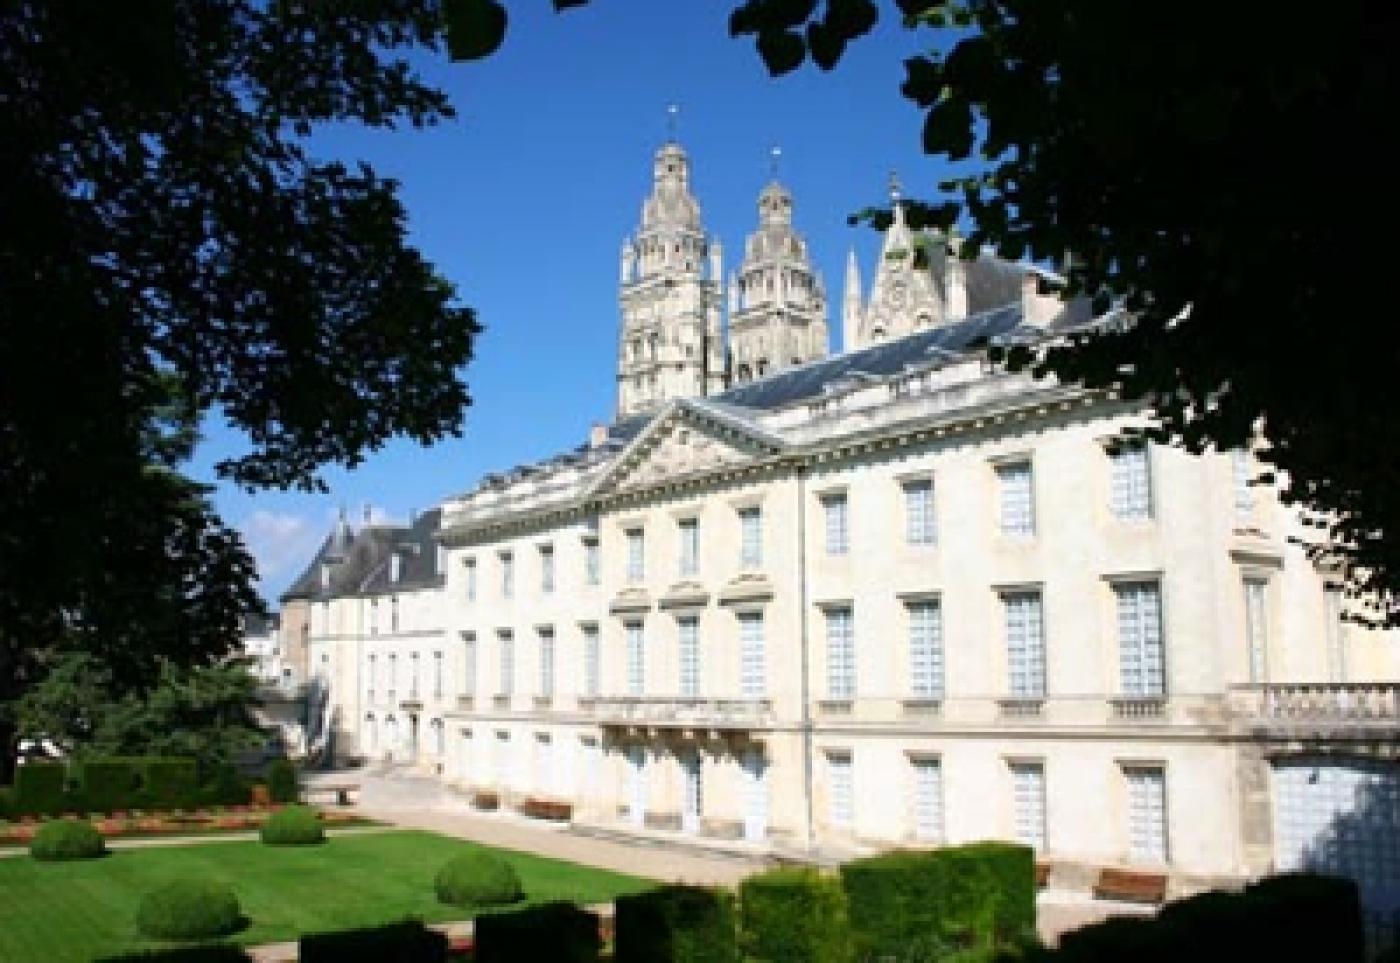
(1318, 709)
(683, 712)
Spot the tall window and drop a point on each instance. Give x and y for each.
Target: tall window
(546, 569)
(507, 645)
(751, 537)
(393, 674)
(927, 779)
(1141, 660)
(1131, 481)
(926, 649)
(393, 613)
(1256, 614)
(1242, 473)
(437, 675)
(1025, 644)
(373, 674)
(471, 580)
(752, 682)
(507, 574)
(841, 775)
(636, 659)
(1028, 803)
(546, 662)
(591, 566)
(690, 546)
(1016, 489)
(592, 662)
(469, 663)
(837, 524)
(374, 616)
(413, 674)
(840, 654)
(689, 638)
(1147, 813)
(918, 512)
(636, 555)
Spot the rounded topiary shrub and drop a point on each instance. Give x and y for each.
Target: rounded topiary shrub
(282, 781)
(67, 839)
(189, 909)
(478, 879)
(293, 826)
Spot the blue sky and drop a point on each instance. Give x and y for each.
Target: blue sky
(523, 201)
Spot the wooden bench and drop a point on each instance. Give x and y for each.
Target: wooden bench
(1131, 886)
(338, 793)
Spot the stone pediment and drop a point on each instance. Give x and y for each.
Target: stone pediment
(682, 442)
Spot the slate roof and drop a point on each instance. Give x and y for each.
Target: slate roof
(359, 561)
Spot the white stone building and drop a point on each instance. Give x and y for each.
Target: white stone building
(886, 597)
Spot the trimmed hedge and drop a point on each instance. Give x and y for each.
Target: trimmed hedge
(282, 781)
(979, 898)
(1296, 916)
(108, 785)
(477, 879)
(219, 953)
(293, 826)
(557, 932)
(170, 782)
(677, 924)
(39, 788)
(408, 941)
(67, 839)
(189, 909)
(793, 915)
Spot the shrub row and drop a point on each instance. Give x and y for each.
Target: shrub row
(406, 942)
(1295, 916)
(679, 924)
(113, 784)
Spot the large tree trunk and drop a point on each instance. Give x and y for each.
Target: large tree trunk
(9, 750)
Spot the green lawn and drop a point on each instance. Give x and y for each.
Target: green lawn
(81, 911)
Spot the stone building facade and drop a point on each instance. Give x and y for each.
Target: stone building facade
(891, 596)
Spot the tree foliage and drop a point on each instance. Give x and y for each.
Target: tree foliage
(169, 248)
(1214, 169)
(203, 713)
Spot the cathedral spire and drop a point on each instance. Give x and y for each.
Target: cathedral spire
(851, 303)
(777, 316)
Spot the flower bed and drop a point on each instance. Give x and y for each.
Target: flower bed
(546, 809)
(174, 823)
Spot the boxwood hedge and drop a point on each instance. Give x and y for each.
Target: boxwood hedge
(189, 909)
(558, 932)
(677, 924)
(67, 839)
(477, 879)
(793, 915)
(293, 826)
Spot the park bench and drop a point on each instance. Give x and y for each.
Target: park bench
(340, 793)
(1132, 886)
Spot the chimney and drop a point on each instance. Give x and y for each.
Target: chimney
(954, 282)
(597, 435)
(1037, 309)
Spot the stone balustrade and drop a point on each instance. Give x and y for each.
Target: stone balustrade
(683, 711)
(1305, 713)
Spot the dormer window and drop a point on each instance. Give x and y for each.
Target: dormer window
(395, 567)
(325, 576)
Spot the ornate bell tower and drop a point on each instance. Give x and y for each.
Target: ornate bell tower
(777, 306)
(671, 338)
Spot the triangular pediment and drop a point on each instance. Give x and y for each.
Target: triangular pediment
(686, 440)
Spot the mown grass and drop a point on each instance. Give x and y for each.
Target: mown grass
(83, 911)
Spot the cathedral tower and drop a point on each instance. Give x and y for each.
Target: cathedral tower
(777, 307)
(671, 340)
